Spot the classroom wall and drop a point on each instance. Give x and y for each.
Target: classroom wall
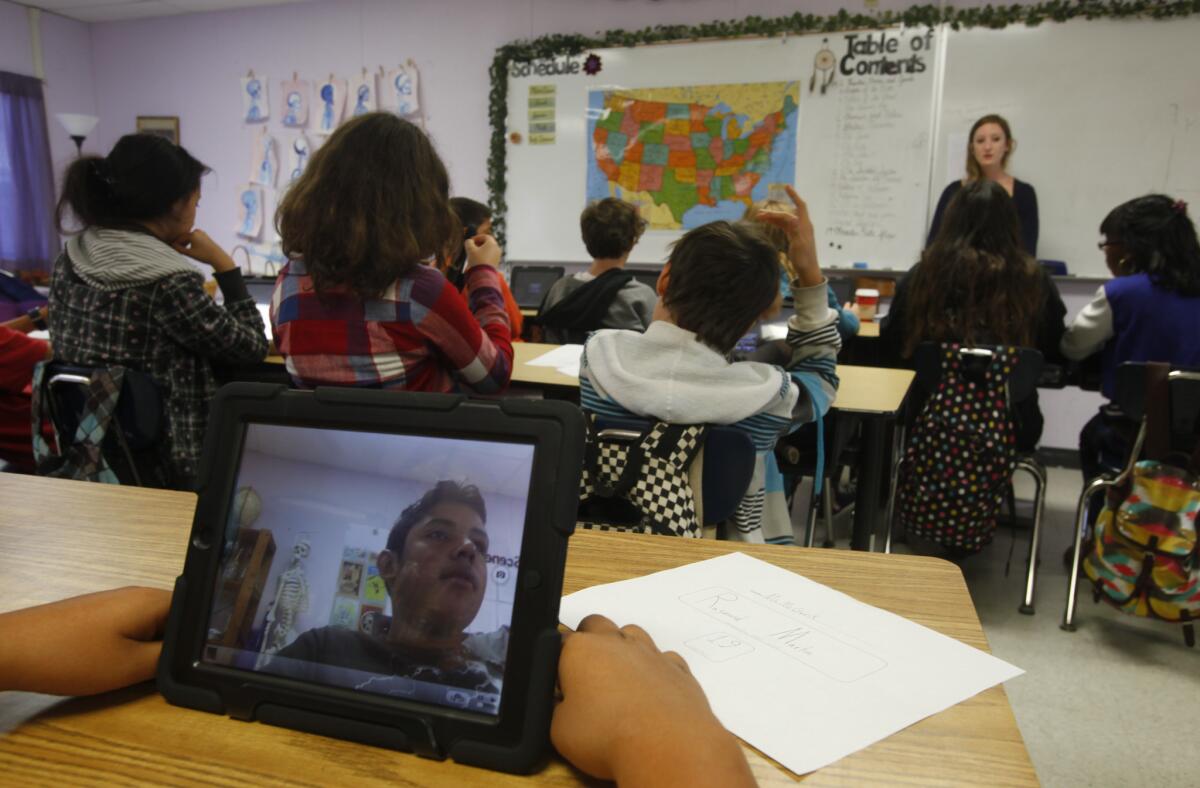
(189, 66)
(67, 59)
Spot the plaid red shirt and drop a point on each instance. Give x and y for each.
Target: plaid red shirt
(419, 334)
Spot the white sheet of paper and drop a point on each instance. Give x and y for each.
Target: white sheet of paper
(265, 311)
(806, 674)
(564, 358)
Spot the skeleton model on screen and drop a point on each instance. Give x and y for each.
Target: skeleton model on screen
(291, 599)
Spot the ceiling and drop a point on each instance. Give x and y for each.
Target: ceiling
(113, 10)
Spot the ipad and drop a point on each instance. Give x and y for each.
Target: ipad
(379, 566)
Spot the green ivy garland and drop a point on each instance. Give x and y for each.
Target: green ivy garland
(995, 17)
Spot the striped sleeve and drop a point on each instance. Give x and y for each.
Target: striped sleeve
(813, 341)
(474, 337)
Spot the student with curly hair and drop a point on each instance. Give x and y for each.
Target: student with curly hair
(354, 305)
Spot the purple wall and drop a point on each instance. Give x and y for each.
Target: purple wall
(67, 58)
(189, 66)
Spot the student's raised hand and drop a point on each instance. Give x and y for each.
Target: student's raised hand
(481, 250)
(632, 713)
(801, 260)
(86, 644)
(203, 249)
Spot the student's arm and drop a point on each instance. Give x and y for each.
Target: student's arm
(84, 645)
(633, 714)
(1091, 329)
(23, 323)
(812, 337)
(474, 337)
(1050, 324)
(231, 333)
(893, 327)
(847, 320)
(1027, 212)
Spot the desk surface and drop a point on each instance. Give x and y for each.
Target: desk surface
(95, 536)
(862, 389)
(870, 330)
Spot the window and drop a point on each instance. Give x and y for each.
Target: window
(28, 239)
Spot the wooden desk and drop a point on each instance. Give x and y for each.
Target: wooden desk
(525, 312)
(868, 330)
(96, 536)
(525, 374)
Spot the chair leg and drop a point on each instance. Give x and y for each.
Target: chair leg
(890, 511)
(827, 507)
(1035, 470)
(810, 526)
(1081, 518)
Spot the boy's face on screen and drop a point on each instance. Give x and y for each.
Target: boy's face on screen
(439, 581)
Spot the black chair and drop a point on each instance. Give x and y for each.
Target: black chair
(134, 438)
(1022, 383)
(1183, 392)
(530, 283)
(726, 463)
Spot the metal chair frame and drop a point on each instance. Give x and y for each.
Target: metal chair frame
(1086, 498)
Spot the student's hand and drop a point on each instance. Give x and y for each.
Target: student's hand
(198, 246)
(801, 260)
(481, 250)
(852, 308)
(634, 714)
(84, 645)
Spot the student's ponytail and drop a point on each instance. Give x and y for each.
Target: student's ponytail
(143, 178)
(85, 193)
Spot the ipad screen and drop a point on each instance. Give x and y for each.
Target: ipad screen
(379, 562)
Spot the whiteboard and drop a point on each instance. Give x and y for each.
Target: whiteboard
(1103, 111)
(863, 146)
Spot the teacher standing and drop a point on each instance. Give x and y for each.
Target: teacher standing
(988, 147)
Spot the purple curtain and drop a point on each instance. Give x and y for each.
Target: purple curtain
(28, 239)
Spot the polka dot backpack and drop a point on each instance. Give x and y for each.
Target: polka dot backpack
(960, 453)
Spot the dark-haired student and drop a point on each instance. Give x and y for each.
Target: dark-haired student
(124, 292)
(628, 712)
(720, 280)
(976, 285)
(989, 147)
(1149, 311)
(354, 305)
(476, 219)
(605, 295)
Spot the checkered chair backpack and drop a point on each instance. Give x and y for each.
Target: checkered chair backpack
(960, 454)
(638, 482)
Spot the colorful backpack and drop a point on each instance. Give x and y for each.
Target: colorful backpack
(961, 451)
(1146, 559)
(638, 482)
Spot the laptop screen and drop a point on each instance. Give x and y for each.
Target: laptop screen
(379, 562)
(530, 285)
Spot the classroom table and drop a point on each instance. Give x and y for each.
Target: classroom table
(61, 538)
(872, 395)
(868, 329)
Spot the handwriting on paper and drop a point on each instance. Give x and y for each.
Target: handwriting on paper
(801, 640)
